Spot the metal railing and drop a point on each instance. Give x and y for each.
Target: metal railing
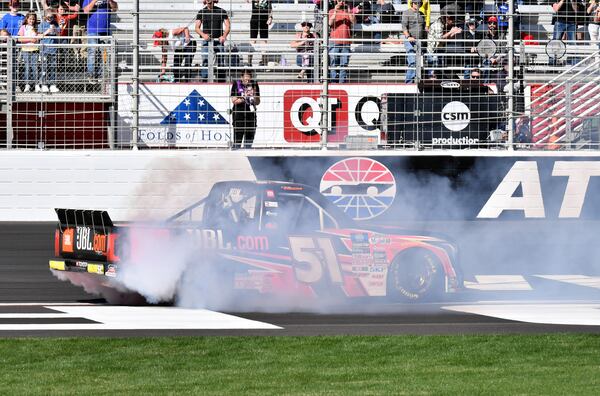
(305, 101)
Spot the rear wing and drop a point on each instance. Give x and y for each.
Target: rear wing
(95, 219)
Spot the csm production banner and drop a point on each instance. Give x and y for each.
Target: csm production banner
(505, 213)
(198, 114)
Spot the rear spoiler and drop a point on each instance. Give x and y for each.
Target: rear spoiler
(83, 217)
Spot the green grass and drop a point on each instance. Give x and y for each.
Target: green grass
(396, 365)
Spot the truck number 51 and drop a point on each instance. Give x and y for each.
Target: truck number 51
(313, 256)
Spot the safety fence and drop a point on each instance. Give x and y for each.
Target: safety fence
(157, 83)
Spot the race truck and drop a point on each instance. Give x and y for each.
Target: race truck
(269, 238)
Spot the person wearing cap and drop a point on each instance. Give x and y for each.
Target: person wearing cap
(424, 9)
(13, 20)
(179, 42)
(305, 46)
(444, 28)
(213, 26)
(470, 37)
(98, 24)
(490, 62)
(414, 31)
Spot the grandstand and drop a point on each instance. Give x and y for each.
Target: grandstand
(559, 101)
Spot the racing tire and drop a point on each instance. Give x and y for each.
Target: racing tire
(415, 276)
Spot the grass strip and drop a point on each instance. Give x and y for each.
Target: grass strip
(401, 365)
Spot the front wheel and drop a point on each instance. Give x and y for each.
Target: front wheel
(415, 275)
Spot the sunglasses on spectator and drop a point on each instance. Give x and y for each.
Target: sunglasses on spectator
(492, 23)
(305, 24)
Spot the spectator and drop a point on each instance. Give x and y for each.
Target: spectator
(444, 28)
(260, 21)
(503, 19)
(425, 9)
(213, 26)
(29, 37)
(64, 18)
(78, 27)
(98, 24)
(318, 18)
(13, 20)
(414, 31)
(305, 45)
(491, 34)
(340, 23)
(471, 37)
(593, 11)
(49, 30)
(245, 96)
(180, 43)
(564, 21)
(381, 12)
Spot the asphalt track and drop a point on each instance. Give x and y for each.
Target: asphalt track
(31, 296)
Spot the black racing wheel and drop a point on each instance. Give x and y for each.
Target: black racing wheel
(415, 275)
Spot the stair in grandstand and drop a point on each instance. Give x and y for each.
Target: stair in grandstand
(565, 111)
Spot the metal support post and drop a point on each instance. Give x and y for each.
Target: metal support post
(325, 76)
(511, 73)
(11, 67)
(211, 60)
(135, 122)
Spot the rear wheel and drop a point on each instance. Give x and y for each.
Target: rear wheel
(415, 275)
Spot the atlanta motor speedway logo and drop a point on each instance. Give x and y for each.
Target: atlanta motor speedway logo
(362, 187)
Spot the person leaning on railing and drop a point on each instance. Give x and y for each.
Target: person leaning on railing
(180, 43)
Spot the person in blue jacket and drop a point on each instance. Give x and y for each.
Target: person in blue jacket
(13, 20)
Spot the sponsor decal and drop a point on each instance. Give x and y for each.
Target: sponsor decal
(270, 194)
(377, 276)
(57, 265)
(292, 188)
(67, 240)
(95, 269)
(456, 116)
(81, 264)
(452, 141)
(302, 115)
(271, 213)
(83, 239)
(380, 240)
(252, 242)
(360, 268)
(362, 187)
(358, 238)
(450, 84)
(209, 239)
(376, 269)
(271, 204)
(111, 271)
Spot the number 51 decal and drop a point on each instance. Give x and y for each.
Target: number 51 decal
(312, 256)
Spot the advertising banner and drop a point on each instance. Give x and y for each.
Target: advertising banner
(288, 115)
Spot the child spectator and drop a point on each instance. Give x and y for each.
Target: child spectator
(29, 37)
(305, 45)
(64, 19)
(13, 20)
(180, 43)
(50, 31)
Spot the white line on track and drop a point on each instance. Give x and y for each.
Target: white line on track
(498, 283)
(134, 318)
(579, 280)
(557, 313)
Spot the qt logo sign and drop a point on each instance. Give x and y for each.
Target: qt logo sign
(456, 116)
(302, 116)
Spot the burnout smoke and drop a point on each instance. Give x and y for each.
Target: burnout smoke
(182, 265)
